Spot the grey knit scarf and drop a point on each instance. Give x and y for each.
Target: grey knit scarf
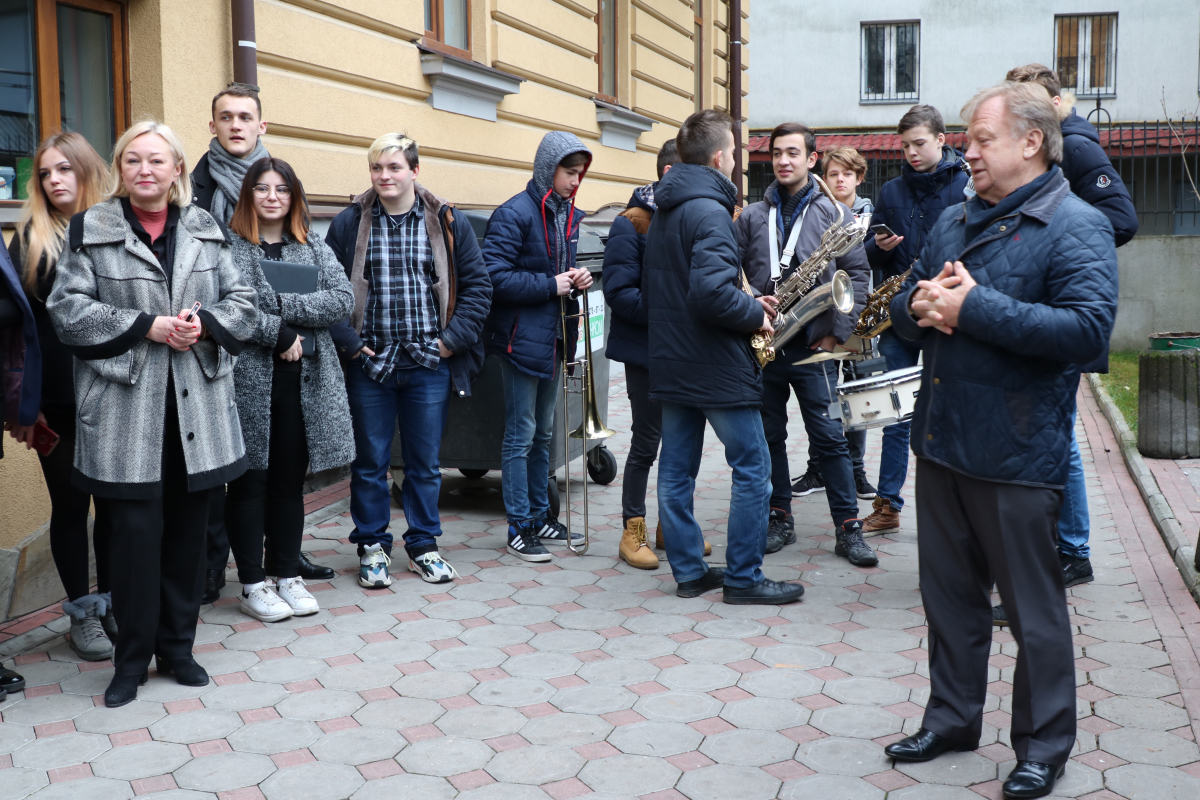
(229, 172)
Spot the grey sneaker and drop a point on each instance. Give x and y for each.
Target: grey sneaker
(87, 636)
(373, 567)
(850, 545)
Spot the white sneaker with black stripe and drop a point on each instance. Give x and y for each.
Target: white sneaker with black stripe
(524, 543)
(432, 568)
(555, 531)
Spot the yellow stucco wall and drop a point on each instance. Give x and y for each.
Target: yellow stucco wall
(26, 506)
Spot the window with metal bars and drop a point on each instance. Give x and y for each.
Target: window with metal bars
(1085, 54)
(890, 62)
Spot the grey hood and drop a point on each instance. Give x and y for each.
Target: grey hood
(555, 146)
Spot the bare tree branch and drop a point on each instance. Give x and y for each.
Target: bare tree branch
(1183, 145)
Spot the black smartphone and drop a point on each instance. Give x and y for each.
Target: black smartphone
(880, 229)
(192, 312)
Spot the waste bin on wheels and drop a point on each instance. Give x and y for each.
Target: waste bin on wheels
(474, 431)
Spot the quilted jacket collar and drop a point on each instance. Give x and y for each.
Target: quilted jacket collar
(1043, 204)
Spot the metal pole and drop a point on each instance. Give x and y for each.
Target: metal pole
(245, 47)
(735, 89)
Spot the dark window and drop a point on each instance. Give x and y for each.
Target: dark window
(1085, 54)
(607, 55)
(891, 62)
(85, 75)
(18, 98)
(449, 22)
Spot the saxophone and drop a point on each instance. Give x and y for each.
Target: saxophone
(875, 318)
(799, 303)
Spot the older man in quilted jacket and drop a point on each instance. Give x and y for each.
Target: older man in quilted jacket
(1015, 288)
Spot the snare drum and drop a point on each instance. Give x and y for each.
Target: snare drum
(877, 401)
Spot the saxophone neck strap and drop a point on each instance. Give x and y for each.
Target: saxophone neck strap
(781, 262)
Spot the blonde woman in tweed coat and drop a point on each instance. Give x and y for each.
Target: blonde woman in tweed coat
(293, 409)
(157, 427)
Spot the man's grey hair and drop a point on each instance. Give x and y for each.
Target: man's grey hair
(1029, 107)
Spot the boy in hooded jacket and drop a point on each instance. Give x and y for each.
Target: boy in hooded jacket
(529, 251)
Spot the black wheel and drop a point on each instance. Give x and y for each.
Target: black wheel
(396, 498)
(473, 474)
(602, 465)
(555, 502)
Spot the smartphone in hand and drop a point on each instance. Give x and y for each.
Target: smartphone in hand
(880, 229)
(191, 312)
(44, 439)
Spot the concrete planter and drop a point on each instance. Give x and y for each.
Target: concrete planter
(1169, 404)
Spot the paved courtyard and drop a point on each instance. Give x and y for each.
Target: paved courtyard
(586, 678)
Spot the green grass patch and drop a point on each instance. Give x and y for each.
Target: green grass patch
(1121, 383)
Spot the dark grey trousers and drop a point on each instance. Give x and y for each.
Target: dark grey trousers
(645, 435)
(972, 533)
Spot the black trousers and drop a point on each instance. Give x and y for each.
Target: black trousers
(69, 507)
(856, 440)
(972, 533)
(813, 384)
(217, 539)
(268, 504)
(157, 564)
(645, 436)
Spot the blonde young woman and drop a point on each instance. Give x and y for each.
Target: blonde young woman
(157, 424)
(69, 178)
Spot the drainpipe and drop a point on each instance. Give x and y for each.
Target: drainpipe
(245, 49)
(735, 89)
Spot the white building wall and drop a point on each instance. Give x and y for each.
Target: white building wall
(807, 55)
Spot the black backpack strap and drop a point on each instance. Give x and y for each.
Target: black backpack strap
(75, 232)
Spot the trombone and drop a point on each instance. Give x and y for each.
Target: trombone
(590, 427)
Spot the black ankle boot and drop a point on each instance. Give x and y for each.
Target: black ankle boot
(123, 689)
(214, 582)
(186, 671)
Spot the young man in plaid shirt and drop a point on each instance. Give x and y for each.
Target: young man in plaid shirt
(421, 295)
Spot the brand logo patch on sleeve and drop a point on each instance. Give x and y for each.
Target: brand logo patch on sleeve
(1103, 181)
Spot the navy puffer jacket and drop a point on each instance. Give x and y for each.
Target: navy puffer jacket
(910, 205)
(997, 398)
(1093, 177)
(623, 255)
(700, 319)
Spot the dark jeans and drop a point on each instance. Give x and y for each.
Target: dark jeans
(417, 399)
(268, 504)
(69, 508)
(814, 385)
(741, 431)
(157, 564)
(645, 435)
(525, 454)
(217, 537)
(972, 533)
(856, 440)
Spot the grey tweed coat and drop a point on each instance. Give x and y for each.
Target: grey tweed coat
(322, 389)
(108, 290)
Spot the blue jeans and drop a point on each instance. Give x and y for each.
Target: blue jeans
(893, 456)
(1074, 524)
(416, 398)
(741, 431)
(525, 455)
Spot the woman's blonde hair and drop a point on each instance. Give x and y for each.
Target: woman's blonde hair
(42, 229)
(180, 193)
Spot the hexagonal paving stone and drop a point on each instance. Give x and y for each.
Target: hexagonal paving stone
(765, 714)
(355, 746)
(748, 748)
(224, 772)
(428, 630)
(853, 757)
(435, 685)
(567, 641)
(661, 624)
(793, 657)
(594, 699)
(952, 769)
(90, 683)
(457, 609)
(727, 782)
(881, 640)
(640, 645)
(1141, 712)
(730, 628)
(445, 756)
(505, 791)
(923, 791)
(542, 665)
(521, 615)
(566, 730)
(138, 714)
(659, 739)
(715, 651)
(618, 672)
(495, 635)
(49, 708)
(698, 677)
(545, 596)
(632, 775)
(481, 722)
(20, 783)
(875, 665)
(1116, 631)
(856, 722)
(358, 624)
(1121, 612)
(245, 696)
(1134, 682)
(286, 670)
(60, 751)
(196, 726)
(781, 683)
(832, 787)
(806, 634)
(1144, 782)
(399, 713)
(86, 789)
(535, 765)
(1123, 654)
(164, 690)
(360, 677)
(13, 736)
(223, 662)
(400, 651)
(319, 704)
(326, 645)
(610, 601)
(892, 618)
(44, 673)
(260, 639)
(406, 786)
(589, 620)
(1149, 747)
(274, 736)
(319, 781)
(513, 692)
(678, 706)
(142, 760)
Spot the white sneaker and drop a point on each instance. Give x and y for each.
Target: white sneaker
(432, 568)
(292, 592)
(260, 601)
(373, 568)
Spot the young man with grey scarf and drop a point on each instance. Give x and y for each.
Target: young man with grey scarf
(237, 127)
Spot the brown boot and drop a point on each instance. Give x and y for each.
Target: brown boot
(634, 550)
(658, 542)
(884, 519)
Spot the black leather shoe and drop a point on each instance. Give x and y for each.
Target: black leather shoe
(1076, 570)
(123, 690)
(925, 745)
(10, 682)
(999, 616)
(214, 582)
(186, 671)
(314, 572)
(767, 593)
(1032, 779)
(713, 579)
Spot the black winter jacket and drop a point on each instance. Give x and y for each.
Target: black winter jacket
(910, 205)
(1093, 177)
(699, 316)
(997, 397)
(203, 184)
(623, 254)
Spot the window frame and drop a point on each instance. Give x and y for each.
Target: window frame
(1084, 67)
(435, 39)
(890, 95)
(616, 51)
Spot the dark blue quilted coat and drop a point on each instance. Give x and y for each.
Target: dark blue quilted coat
(997, 397)
(623, 289)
